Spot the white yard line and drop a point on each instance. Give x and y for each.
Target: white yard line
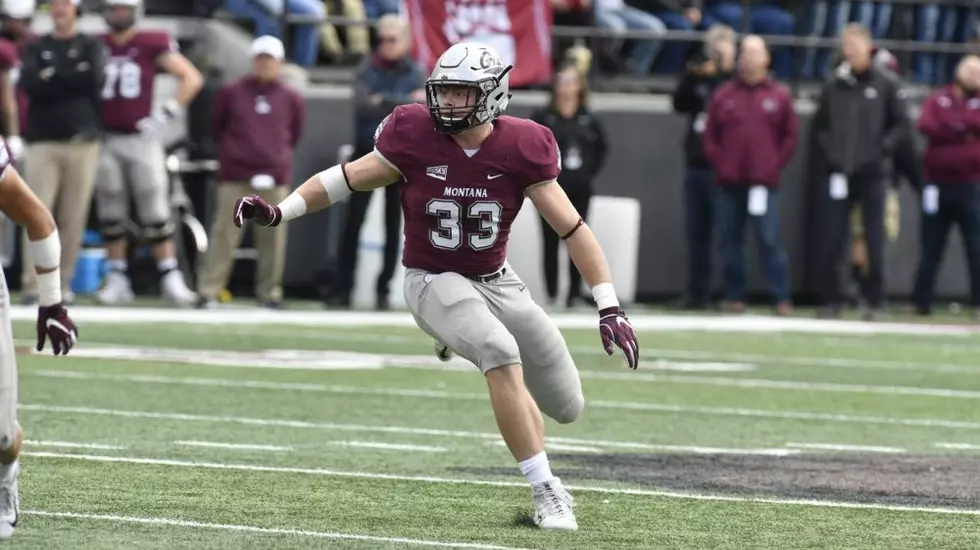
(72, 445)
(848, 448)
(264, 530)
(651, 407)
(389, 446)
(253, 316)
(487, 436)
(234, 446)
(958, 446)
(522, 485)
(561, 447)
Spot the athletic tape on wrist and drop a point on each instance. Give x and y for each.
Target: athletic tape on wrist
(292, 206)
(604, 295)
(47, 255)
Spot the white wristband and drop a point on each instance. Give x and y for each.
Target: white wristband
(333, 181)
(292, 206)
(605, 296)
(49, 288)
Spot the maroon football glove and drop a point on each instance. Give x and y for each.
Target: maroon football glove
(615, 328)
(53, 322)
(254, 207)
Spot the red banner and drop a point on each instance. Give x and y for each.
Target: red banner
(519, 29)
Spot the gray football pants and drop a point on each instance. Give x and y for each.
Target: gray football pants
(496, 324)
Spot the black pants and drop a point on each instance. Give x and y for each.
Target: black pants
(958, 204)
(357, 205)
(699, 217)
(580, 197)
(869, 191)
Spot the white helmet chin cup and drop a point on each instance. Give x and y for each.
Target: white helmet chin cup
(475, 65)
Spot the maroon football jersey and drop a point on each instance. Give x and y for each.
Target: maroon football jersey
(130, 69)
(459, 209)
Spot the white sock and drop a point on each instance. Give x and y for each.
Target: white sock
(536, 469)
(167, 265)
(120, 266)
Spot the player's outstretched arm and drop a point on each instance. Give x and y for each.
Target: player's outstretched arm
(320, 191)
(21, 205)
(614, 327)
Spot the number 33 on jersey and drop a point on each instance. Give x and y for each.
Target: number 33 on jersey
(458, 207)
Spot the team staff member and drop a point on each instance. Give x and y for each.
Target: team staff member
(257, 121)
(389, 78)
(951, 121)
(705, 72)
(15, 26)
(858, 124)
(582, 141)
(62, 74)
(750, 137)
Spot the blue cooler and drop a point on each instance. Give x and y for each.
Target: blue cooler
(90, 269)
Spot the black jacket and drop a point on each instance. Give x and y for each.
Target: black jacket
(692, 97)
(582, 141)
(860, 121)
(63, 79)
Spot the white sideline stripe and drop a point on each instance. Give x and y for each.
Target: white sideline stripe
(565, 448)
(958, 446)
(72, 445)
(264, 530)
(837, 447)
(652, 407)
(522, 485)
(389, 446)
(239, 446)
(257, 316)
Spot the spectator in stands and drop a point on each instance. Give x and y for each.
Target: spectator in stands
(765, 17)
(877, 17)
(257, 120)
(825, 19)
(860, 120)
(705, 72)
(582, 141)
(267, 16)
(750, 136)
(374, 9)
(951, 122)
(677, 15)
(357, 34)
(388, 79)
(577, 13)
(62, 73)
(615, 14)
(934, 23)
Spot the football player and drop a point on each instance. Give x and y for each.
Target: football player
(463, 172)
(131, 163)
(20, 204)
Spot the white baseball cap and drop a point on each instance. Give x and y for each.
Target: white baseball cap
(268, 45)
(19, 9)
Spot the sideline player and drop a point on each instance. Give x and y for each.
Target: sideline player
(20, 204)
(463, 175)
(132, 157)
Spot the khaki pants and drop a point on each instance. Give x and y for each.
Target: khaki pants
(226, 238)
(358, 37)
(62, 175)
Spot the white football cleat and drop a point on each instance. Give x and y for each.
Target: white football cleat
(553, 506)
(9, 502)
(174, 289)
(442, 351)
(117, 290)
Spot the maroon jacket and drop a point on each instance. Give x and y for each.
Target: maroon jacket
(952, 124)
(751, 132)
(256, 127)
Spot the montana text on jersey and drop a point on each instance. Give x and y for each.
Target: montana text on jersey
(459, 208)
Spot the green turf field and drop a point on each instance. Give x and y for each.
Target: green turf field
(199, 436)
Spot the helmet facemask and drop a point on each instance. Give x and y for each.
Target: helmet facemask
(467, 102)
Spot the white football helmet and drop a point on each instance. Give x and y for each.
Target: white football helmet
(469, 86)
(120, 23)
